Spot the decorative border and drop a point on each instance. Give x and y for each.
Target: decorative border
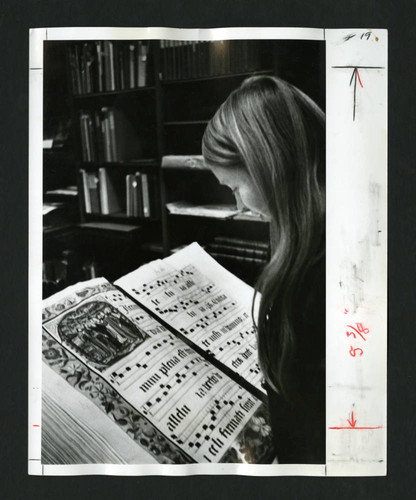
(96, 389)
(57, 308)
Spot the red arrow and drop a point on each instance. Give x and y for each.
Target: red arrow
(359, 79)
(352, 422)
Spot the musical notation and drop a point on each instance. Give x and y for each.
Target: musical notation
(172, 385)
(193, 403)
(209, 317)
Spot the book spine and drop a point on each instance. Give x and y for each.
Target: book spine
(211, 65)
(121, 67)
(232, 56)
(131, 66)
(86, 191)
(193, 63)
(91, 142)
(139, 195)
(112, 133)
(83, 137)
(106, 134)
(98, 138)
(174, 60)
(197, 57)
(129, 211)
(108, 195)
(188, 64)
(134, 193)
(82, 67)
(87, 155)
(224, 240)
(99, 72)
(137, 67)
(87, 63)
(103, 191)
(116, 66)
(78, 68)
(106, 66)
(145, 195)
(180, 63)
(164, 59)
(141, 79)
(112, 74)
(93, 187)
(256, 253)
(74, 71)
(237, 259)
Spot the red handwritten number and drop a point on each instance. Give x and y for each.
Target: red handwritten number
(359, 329)
(353, 353)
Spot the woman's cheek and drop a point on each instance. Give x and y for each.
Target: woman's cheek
(250, 200)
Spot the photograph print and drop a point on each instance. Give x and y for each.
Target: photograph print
(183, 252)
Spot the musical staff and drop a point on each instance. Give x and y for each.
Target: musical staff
(204, 313)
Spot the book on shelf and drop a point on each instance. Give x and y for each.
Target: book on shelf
(110, 226)
(195, 162)
(141, 198)
(244, 257)
(242, 251)
(242, 242)
(216, 211)
(105, 66)
(168, 355)
(90, 184)
(235, 259)
(109, 192)
(108, 136)
(198, 59)
(109, 198)
(64, 192)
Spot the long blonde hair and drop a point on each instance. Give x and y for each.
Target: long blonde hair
(277, 133)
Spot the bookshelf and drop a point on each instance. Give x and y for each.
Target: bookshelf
(190, 98)
(130, 105)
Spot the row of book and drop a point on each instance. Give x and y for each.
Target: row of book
(107, 135)
(132, 195)
(229, 249)
(197, 59)
(102, 66)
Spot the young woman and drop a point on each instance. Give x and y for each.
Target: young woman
(267, 143)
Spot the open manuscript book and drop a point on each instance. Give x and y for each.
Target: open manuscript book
(182, 382)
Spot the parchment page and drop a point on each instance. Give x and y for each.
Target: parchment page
(165, 396)
(204, 302)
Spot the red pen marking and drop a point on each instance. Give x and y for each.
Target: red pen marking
(345, 311)
(353, 353)
(360, 330)
(352, 422)
(359, 79)
(36, 425)
(352, 425)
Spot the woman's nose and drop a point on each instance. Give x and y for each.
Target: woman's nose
(240, 204)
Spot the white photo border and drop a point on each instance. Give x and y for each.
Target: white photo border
(356, 278)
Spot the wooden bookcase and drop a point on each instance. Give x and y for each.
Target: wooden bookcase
(166, 113)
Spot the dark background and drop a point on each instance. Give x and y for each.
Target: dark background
(15, 20)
